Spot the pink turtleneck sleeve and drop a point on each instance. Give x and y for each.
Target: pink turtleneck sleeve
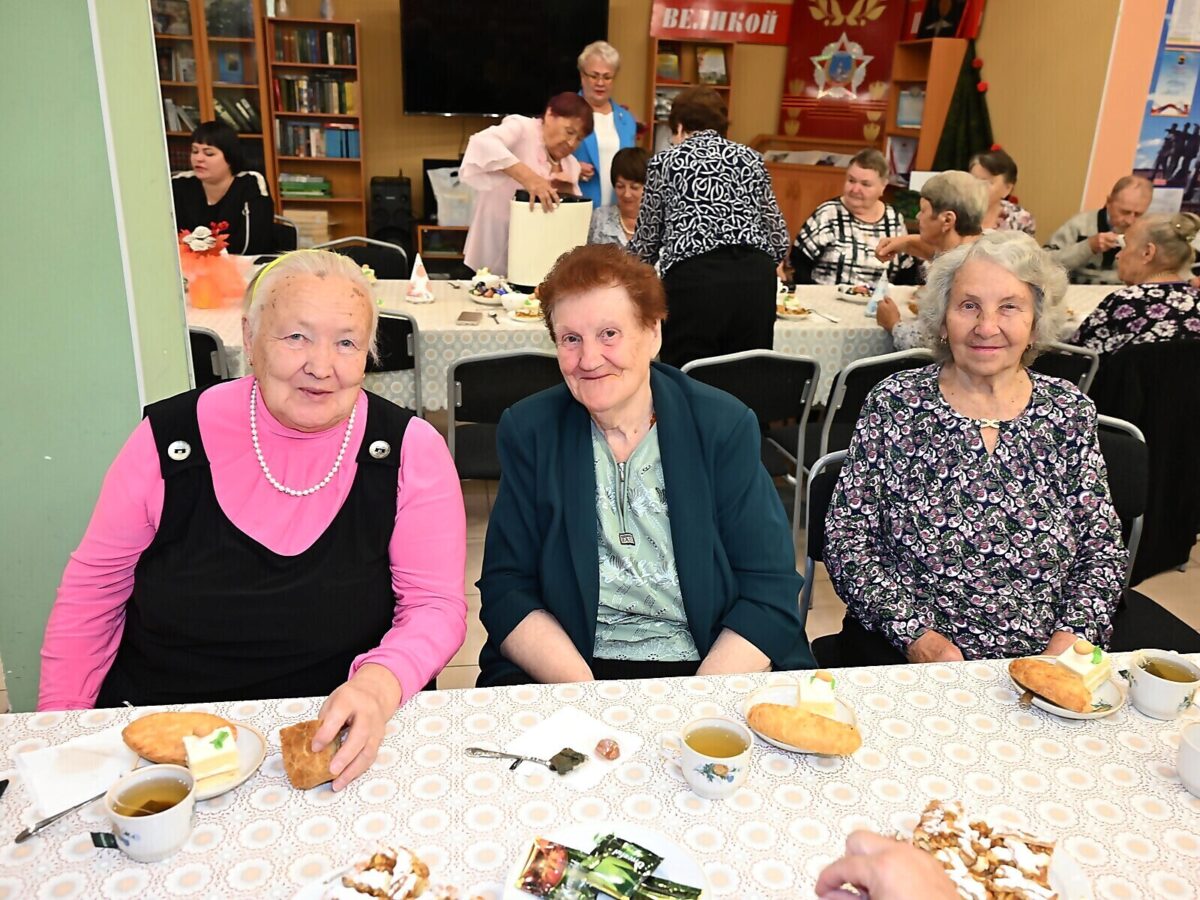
(427, 550)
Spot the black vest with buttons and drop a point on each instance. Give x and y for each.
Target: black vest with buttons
(214, 615)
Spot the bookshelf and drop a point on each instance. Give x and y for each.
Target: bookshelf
(316, 115)
(924, 74)
(211, 65)
(701, 62)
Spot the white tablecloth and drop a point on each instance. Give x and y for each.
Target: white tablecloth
(1106, 789)
(443, 340)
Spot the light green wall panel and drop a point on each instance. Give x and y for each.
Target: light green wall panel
(73, 246)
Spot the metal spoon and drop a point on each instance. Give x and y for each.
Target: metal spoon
(494, 317)
(562, 762)
(34, 829)
(833, 319)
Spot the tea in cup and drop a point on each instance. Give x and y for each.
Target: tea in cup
(712, 753)
(151, 811)
(1161, 683)
(1188, 765)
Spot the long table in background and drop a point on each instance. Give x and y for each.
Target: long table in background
(1106, 790)
(443, 339)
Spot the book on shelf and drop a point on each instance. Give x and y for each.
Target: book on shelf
(667, 68)
(229, 67)
(230, 115)
(189, 117)
(312, 225)
(171, 115)
(710, 65)
(185, 68)
(319, 46)
(327, 141)
(250, 114)
(317, 93)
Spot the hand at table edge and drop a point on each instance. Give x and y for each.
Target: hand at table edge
(884, 869)
(933, 646)
(364, 703)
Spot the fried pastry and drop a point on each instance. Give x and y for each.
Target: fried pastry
(804, 730)
(306, 769)
(158, 737)
(1056, 683)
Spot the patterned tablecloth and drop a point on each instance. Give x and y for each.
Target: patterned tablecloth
(442, 340)
(1106, 789)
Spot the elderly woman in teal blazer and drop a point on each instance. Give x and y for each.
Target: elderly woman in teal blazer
(635, 533)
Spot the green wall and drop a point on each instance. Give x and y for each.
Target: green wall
(88, 262)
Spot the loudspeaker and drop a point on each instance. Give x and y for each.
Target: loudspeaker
(390, 215)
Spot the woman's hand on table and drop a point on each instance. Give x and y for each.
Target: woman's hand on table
(1060, 642)
(933, 646)
(887, 314)
(884, 869)
(586, 171)
(365, 703)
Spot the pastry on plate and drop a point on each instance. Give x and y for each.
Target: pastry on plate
(394, 873)
(306, 769)
(804, 730)
(158, 737)
(1056, 683)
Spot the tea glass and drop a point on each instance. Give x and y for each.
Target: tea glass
(711, 777)
(158, 835)
(1157, 697)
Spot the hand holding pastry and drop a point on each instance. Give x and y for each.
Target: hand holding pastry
(884, 869)
(364, 703)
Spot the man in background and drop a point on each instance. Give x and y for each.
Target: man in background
(1087, 244)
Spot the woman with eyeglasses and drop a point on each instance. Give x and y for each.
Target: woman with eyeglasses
(613, 126)
(520, 152)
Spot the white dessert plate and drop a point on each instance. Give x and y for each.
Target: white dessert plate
(791, 316)
(1067, 879)
(487, 301)
(525, 320)
(843, 292)
(785, 695)
(677, 864)
(252, 750)
(1106, 700)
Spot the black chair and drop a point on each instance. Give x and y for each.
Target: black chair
(1155, 386)
(1077, 365)
(847, 396)
(822, 479)
(1139, 622)
(397, 341)
(479, 390)
(389, 261)
(285, 235)
(210, 363)
(776, 387)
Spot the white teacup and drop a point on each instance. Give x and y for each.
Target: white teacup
(1189, 758)
(153, 836)
(718, 773)
(1160, 698)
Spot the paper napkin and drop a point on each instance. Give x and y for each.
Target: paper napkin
(418, 285)
(59, 777)
(569, 727)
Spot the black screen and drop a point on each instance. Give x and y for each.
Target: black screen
(482, 57)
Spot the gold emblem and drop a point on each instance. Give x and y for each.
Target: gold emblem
(830, 12)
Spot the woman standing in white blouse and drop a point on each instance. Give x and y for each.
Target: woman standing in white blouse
(613, 126)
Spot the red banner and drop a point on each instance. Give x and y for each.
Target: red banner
(839, 68)
(721, 20)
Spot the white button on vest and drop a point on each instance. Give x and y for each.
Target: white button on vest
(379, 449)
(179, 451)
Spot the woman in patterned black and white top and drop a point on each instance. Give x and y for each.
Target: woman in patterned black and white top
(710, 220)
(837, 244)
(972, 518)
(1158, 304)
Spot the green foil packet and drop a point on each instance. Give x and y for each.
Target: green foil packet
(653, 888)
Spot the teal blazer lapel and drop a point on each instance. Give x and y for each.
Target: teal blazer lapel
(578, 480)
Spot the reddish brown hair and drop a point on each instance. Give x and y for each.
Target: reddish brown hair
(699, 109)
(594, 266)
(571, 106)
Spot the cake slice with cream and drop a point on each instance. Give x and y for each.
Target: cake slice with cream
(212, 759)
(1087, 661)
(816, 693)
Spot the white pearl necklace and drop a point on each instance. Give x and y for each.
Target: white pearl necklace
(337, 463)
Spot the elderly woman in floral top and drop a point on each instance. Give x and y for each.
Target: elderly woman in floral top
(973, 518)
(1158, 304)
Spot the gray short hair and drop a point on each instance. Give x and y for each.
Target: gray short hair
(603, 49)
(960, 193)
(1018, 254)
(322, 264)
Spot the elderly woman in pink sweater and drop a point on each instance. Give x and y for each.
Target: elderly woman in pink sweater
(284, 534)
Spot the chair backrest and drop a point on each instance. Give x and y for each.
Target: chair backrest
(1127, 459)
(851, 387)
(774, 385)
(397, 339)
(285, 236)
(388, 260)
(210, 364)
(480, 388)
(822, 479)
(1077, 365)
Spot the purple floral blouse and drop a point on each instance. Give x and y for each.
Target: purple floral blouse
(1142, 314)
(1015, 218)
(996, 552)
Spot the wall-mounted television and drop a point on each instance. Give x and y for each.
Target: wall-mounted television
(481, 57)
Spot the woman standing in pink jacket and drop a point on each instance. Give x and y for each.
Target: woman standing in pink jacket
(285, 534)
(520, 152)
